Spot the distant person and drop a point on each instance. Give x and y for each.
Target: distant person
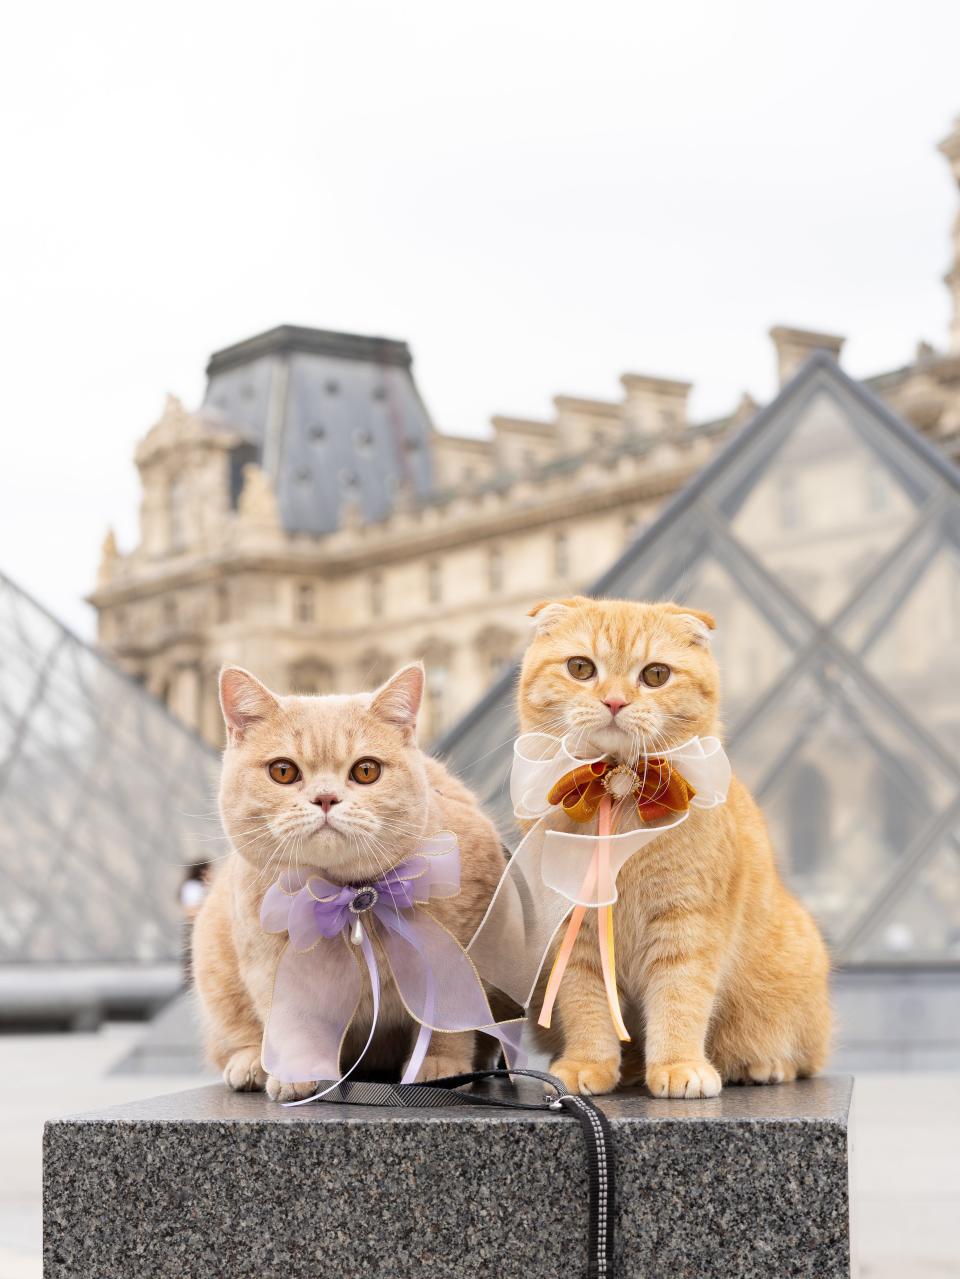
(194, 888)
(193, 891)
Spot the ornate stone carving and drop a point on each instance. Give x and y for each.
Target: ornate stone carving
(108, 558)
(257, 504)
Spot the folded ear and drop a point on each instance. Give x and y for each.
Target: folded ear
(700, 623)
(398, 701)
(548, 613)
(243, 700)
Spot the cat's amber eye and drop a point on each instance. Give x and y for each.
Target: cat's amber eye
(284, 771)
(655, 674)
(366, 771)
(581, 668)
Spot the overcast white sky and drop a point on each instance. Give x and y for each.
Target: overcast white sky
(536, 196)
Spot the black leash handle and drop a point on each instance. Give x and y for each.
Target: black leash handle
(593, 1124)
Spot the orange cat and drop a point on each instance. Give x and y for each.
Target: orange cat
(723, 973)
(337, 783)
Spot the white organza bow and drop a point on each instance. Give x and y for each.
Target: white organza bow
(548, 874)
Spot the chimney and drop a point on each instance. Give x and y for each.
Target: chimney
(795, 346)
(654, 405)
(950, 147)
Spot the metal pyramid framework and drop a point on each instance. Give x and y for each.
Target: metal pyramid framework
(826, 540)
(102, 794)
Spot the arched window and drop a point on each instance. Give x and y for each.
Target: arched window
(376, 593)
(437, 683)
(561, 555)
(496, 648)
(305, 602)
(437, 658)
(434, 582)
(495, 568)
(809, 820)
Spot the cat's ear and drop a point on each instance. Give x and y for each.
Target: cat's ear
(398, 701)
(243, 700)
(699, 624)
(548, 613)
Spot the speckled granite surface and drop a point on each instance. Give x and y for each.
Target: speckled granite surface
(212, 1185)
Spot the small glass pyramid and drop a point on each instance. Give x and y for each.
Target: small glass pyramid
(825, 537)
(104, 799)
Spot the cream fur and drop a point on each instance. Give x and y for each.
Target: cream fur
(371, 829)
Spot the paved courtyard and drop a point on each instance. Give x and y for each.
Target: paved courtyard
(906, 1162)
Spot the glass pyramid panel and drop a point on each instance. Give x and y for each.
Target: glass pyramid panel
(923, 925)
(755, 641)
(101, 797)
(841, 802)
(825, 540)
(825, 507)
(907, 630)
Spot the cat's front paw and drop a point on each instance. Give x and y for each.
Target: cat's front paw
(587, 1077)
(683, 1079)
(243, 1072)
(440, 1066)
(277, 1090)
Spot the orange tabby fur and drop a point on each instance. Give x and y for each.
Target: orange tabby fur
(723, 973)
(371, 829)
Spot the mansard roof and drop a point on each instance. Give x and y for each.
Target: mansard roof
(335, 419)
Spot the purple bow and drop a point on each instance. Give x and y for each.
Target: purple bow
(318, 986)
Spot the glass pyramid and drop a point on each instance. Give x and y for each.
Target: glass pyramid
(104, 799)
(825, 538)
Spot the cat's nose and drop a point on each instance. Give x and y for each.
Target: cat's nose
(614, 704)
(326, 802)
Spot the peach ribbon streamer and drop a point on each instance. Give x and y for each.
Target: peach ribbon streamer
(598, 870)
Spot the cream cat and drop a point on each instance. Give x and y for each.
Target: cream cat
(340, 784)
(723, 973)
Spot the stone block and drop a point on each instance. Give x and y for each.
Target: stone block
(208, 1184)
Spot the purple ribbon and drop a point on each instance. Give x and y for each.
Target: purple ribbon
(318, 984)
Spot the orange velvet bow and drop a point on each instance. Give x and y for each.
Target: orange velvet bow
(659, 789)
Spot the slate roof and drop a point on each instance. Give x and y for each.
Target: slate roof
(334, 419)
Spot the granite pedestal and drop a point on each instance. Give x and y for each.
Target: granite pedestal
(209, 1184)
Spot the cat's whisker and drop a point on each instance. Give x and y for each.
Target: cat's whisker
(556, 725)
(374, 842)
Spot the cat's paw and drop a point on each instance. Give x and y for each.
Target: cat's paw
(277, 1090)
(776, 1071)
(683, 1079)
(243, 1072)
(587, 1077)
(440, 1066)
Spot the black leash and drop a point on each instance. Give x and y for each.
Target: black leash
(593, 1123)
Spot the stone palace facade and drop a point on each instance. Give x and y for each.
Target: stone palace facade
(309, 522)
